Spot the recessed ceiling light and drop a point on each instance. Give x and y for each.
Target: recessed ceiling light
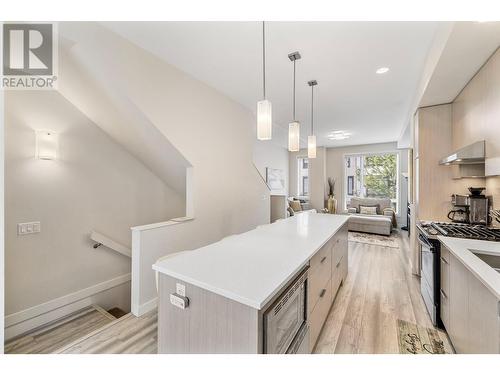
(382, 70)
(338, 135)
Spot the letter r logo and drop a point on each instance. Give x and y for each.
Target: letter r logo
(27, 49)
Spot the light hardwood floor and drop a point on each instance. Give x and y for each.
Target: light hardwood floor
(52, 337)
(379, 289)
(129, 334)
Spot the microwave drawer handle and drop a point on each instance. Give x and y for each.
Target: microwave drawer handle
(323, 291)
(322, 260)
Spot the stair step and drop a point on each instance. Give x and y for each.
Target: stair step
(53, 336)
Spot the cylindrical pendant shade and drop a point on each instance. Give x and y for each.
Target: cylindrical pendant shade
(311, 146)
(294, 136)
(264, 120)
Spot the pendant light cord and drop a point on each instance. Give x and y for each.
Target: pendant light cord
(293, 90)
(264, 58)
(312, 110)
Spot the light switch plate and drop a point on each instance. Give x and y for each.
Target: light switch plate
(180, 289)
(28, 228)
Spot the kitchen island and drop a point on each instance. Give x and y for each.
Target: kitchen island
(214, 299)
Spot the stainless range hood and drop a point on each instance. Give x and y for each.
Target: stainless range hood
(471, 154)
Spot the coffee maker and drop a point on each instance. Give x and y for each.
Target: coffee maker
(470, 209)
(460, 211)
(479, 207)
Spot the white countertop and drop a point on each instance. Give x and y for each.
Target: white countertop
(461, 248)
(252, 267)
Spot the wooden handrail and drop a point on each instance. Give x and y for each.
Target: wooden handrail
(101, 239)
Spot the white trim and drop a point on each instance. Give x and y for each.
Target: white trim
(145, 307)
(175, 221)
(36, 316)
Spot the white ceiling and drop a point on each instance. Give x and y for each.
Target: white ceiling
(470, 44)
(341, 56)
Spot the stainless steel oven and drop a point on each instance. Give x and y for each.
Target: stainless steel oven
(285, 322)
(429, 273)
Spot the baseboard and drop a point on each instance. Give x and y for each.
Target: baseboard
(145, 307)
(26, 320)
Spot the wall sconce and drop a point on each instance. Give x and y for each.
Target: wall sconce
(47, 145)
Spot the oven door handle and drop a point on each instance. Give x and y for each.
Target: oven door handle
(425, 245)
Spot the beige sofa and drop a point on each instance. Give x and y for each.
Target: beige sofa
(381, 223)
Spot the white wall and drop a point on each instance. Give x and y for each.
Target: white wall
(214, 133)
(2, 220)
(94, 185)
(270, 154)
(335, 165)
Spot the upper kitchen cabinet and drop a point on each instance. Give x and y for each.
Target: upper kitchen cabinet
(433, 183)
(476, 113)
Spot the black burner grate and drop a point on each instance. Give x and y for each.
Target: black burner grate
(475, 232)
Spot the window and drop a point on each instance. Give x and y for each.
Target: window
(372, 176)
(303, 177)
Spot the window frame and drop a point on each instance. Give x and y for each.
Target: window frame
(300, 177)
(374, 153)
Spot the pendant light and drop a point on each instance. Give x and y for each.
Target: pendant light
(311, 140)
(264, 108)
(294, 126)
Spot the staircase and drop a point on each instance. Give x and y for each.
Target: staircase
(56, 335)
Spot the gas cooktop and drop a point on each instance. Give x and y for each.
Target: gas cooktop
(469, 231)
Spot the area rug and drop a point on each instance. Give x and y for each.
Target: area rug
(414, 339)
(374, 239)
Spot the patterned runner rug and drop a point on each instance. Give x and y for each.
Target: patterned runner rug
(374, 239)
(414, 339)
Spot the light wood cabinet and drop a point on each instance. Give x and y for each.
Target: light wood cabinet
(445, 286)
(328, 268)
(473, 321)
(484, 327)
(458, 297)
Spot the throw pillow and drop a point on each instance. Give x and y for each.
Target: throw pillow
(368, 210)
(295, 205)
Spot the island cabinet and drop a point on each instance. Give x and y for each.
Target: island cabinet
(469, 310)
(268, 290)
(328, 269)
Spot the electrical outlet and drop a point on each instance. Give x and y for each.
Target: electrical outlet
(28, 228)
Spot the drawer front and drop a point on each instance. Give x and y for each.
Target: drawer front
(445, 253)
(445, 274)
(318, 277)
(336, 280)
(320, 257)
(319, 313)
(445, 309)
(340, 244)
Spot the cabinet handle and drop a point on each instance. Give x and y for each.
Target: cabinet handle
(338, 264)
(443, 293)
(323, 291)
(444, 261)
(322, 260)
